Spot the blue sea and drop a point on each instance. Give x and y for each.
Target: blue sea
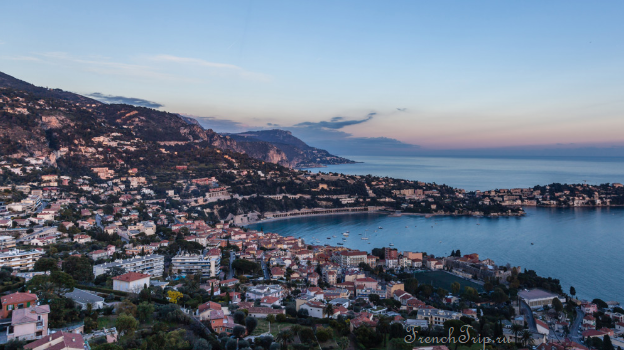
(488, 173)
(583, 247)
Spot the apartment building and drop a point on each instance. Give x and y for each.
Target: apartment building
(153, 265)
(208, 264)
(22, 260)
(352, 258)
(7, 242)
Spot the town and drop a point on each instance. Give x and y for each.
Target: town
(125, 228)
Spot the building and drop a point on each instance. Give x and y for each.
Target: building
(153, 264)
(437, 317)
(22, 260)
(29, 323)
(84, 298)
(315, 308)
(17, 301)
(7, 242)
(132, 282)
(353, 258)
(538, 298)
(58, 341)
(260, 291)
(207, 264)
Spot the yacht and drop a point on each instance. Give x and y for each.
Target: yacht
(339, 243)
(380, 227)
(346, 234)
(391, 244)
(334, 236)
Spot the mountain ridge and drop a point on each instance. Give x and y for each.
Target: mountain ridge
(28, 129)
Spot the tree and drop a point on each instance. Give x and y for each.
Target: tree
(499, 296)
(455, 287)
(442, 292)
(126, 324)
(145, 311)
(374, 298)
(174, 296)
(238, 331)
(250, 323)
(411, 285)
(488, 286)
(527, 338)
(516, 328)
(202, 344)
(572, 291)
(456, 329)
(302, 313)
(79, 268)
(606, 343)
(557, 304)
(46, 264)
(343, 343)
(127, 307)
(322, 335)
(271, 318)
(239, 317)
(306, 335)
(57, 282)
(329, 310)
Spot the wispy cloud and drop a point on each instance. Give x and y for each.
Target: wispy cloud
(213, 67)
(401, 109)
(20, 58)
(336, 122)
(125, 100)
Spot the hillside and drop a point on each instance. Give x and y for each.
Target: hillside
(298, 152)
(39, 121)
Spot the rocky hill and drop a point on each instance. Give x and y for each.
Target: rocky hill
(298, 152)
(40, 121)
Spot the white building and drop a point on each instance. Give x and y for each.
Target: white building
(315, 308)
(207, 264)
(132, 282)
(261, 291)
(20, 260)
(153, 264)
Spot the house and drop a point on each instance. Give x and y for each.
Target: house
(315, 308)
(29, 323)
(98, 254)
(277, 273)
(82, 239)
(542, 327)
(17, 301)
(84, 298)
(269, 301)
(58, 341)
(131, 282)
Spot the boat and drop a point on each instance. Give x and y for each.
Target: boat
(328, 237)
(391, 244)
(347, 231)
(531, 243)
(368, 242)
(380, 227)
(346, 234)
(365, 238)
(334, 236)
(340, 243)
(405, 226)
(344, 239)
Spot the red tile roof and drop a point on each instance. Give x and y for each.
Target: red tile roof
(17, 298)
(131, 276)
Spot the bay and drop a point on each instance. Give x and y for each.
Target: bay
(582, 247)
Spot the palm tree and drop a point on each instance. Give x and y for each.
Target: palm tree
(527, 338)
(329, 310)
(285, 337)
(516, 328)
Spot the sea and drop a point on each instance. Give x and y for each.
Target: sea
(582, 247)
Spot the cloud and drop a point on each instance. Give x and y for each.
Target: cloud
(213, 67)
(125, 100)
(20, 58)
(336, 123)
(220, 125)
(401, 109)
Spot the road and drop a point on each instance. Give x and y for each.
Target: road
(530, 318)
(575, 334)
(264, 267)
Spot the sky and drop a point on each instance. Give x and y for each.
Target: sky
(435, 75)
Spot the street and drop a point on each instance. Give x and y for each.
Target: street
(575, 334)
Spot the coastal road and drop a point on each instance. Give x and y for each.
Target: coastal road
(529, 316)
(575, 334)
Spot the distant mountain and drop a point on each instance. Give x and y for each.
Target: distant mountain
(297, 151)
(40, 121)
